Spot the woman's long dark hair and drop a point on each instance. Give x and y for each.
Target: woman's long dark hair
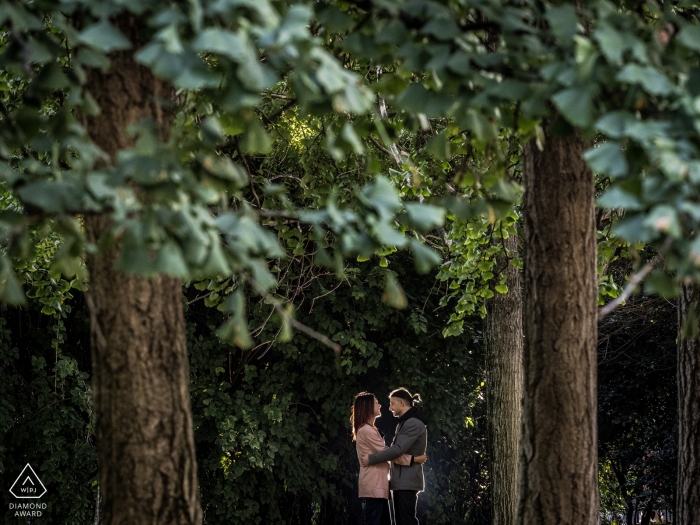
(362, 412)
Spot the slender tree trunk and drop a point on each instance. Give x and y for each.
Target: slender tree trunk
(98, 519)
(559, 457)
(145, 439)
(504, 389)
(688, 489)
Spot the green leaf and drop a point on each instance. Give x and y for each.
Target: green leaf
(664, 218)
(661, 283)
(382, 196)
(170, 261)
(615, 123)
(612, 43)
(477, 123)
(689, 36)
(417, 99)
(294, 25)
(653, 81)
(439, 146)
(216, 263)
(235, 330)
(51, 196)
(394, 295)
(424, 217)
(608, 159)
(511, 89)
(441, 28)
(256, 139)
(575, 105)
(618, 197)
(633, 229)
(388, 234)
(104, 37)
(355, 98)
(334, 19)
(92, 58)
(502, 288)
(232, 125)
(10, 289)
(563, 22)
(425, 258)
(220, 41)
(350, 136)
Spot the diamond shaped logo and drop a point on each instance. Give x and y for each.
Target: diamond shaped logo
(28, 485)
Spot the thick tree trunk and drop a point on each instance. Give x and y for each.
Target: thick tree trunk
(559, 457)
(688, 489)
(145, 439)
(504, 389)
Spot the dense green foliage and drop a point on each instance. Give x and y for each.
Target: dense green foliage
(271, 424)
(46, 411)
(272, 430)
(273, 436)
(637, 408)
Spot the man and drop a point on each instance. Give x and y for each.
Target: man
(411, 438)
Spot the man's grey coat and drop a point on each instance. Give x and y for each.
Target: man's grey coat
(411, 438)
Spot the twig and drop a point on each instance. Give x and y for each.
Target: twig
(247, 170)
(635, 279)
(47, 406)
(277, 114)
(379, 146)
(279, 308)
(313, 301)
(382, 112)
(314, 334)
(199, 297)
(277, 213)
(277, 95)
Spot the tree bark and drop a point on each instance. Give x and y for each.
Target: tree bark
(688, 488)
(559, 457)
(504, 389)
(145, 439)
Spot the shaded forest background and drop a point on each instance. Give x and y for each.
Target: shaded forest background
(271, 424)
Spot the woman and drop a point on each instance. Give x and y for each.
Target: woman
(374, 479)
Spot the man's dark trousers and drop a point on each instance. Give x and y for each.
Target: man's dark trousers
(405, 502)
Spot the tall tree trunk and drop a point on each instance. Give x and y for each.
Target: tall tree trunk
(559, 457)
(688, 489)
(145, 439)
(504, 389)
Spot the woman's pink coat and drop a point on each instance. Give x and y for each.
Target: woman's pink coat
(374, 480)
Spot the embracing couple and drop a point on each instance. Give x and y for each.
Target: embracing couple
(403, 460)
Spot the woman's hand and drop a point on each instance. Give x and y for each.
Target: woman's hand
(364, 461)
(420, 459)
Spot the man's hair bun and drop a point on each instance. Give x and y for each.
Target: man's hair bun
(404, 394)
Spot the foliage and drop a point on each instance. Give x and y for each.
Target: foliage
(176, 224)
(46, 410)
(271, 423)
(471, 268)
(637, 406)
(273, 431)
